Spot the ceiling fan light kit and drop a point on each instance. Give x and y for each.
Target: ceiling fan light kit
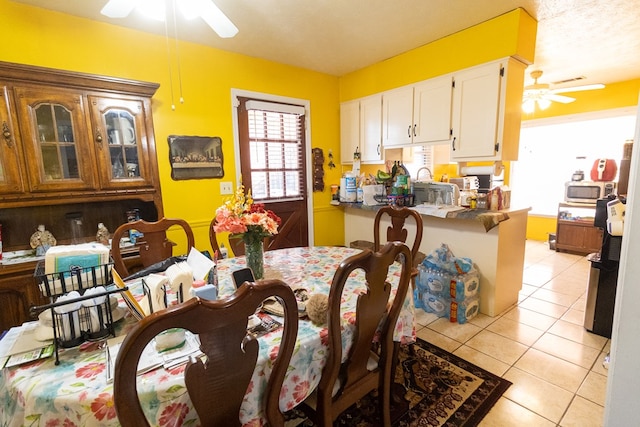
(542, 95)
(190, 9)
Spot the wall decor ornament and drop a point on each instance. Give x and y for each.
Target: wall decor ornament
(194, 157)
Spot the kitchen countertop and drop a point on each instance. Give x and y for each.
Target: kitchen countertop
(488, 218)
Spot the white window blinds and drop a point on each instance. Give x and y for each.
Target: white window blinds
(275, 142)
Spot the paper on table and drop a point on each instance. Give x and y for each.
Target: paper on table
(21, 339)
(152, 359)
(200, 264)
(28, 356)
(135, 309)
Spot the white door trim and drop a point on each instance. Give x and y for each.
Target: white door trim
(235, 93)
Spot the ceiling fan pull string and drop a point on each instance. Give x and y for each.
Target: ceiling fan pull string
(166, 36)
(175, 31)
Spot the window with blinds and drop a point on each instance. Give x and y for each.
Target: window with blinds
(275, 145)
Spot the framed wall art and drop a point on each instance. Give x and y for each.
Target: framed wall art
(195, 157)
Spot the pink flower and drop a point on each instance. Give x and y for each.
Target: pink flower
(301, 391)
(174, 414)
(90, 370)
(103, 407)
(241, 216)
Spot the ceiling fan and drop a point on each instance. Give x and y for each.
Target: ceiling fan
(205, 9)
(542, 94)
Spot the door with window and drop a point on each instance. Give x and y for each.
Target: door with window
(273, 165)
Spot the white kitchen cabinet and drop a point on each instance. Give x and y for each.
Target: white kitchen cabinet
(418, 114)
(487, 112)
(371, 129)
(361, 129)
(349, 130)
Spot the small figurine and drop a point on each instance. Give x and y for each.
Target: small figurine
(42, 240)
(102, 236)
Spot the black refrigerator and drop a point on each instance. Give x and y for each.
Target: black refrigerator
(603, 277)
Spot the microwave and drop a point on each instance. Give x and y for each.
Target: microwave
(588, 191)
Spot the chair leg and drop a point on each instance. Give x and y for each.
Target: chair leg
(396, 396)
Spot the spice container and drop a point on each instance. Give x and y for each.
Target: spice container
(481, 202)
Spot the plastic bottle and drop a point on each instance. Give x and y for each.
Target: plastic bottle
(494, 201)
(224, 253)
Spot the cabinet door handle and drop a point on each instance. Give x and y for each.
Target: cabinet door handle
(409, 131)
(414, 130)
(99, 137)
(378, 149)
(453, 144)
(7, 134)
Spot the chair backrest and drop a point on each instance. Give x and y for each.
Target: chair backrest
(153, 245)
(216, 387)
(397, 232)
(236, 244)
(374, 316)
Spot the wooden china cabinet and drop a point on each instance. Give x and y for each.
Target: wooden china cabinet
(73, 145)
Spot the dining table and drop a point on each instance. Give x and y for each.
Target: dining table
(76, 392)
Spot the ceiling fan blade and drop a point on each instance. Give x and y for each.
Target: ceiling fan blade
(118, 8)
(578, 88)
(558, 98)
(217, 20)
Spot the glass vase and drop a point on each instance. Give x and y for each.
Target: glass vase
(254, 252)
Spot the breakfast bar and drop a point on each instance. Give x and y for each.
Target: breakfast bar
(493, 240)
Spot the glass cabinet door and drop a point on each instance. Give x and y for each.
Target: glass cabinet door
(10, 164)
(123, 151)
(57, 151)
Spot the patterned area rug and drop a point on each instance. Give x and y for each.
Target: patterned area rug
(438, 389)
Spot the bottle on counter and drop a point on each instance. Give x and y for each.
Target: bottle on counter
(495, 201)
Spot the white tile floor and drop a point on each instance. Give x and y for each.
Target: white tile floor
(540, 345)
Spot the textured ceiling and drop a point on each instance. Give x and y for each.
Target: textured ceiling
(597, 39)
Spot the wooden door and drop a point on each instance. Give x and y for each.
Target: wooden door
(272, 161)
(10, 154)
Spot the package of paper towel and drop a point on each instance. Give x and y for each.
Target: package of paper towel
(63, 258)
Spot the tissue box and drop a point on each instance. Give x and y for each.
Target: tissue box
(67, 257)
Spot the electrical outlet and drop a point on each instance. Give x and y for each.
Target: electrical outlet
(226, 187)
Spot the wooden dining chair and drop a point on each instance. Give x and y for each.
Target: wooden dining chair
(216, 385)
(153, 246)
(398, 232)
(236, 244)
(367, 366)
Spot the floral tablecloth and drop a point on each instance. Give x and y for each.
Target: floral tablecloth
(76, 392)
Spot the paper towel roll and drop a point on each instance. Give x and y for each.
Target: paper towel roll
(180, 274)
(91, 305)
(156, 284)
(477, 170)
(69, 324)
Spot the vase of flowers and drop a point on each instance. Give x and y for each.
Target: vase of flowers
(249, 221)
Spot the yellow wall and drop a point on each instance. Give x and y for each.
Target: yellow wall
(510, 34)
(616, 95)
(39, 37)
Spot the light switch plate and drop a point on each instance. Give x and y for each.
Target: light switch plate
(226, 187)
